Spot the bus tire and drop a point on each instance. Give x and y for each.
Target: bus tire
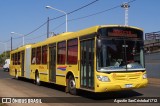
(72, 85)
(16, 75)
(37, 79)
(7, 70)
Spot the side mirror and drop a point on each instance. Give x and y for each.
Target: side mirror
(99, 43)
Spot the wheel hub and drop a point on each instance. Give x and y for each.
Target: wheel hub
(72, 84)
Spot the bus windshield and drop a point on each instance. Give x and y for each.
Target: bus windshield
(120, 55)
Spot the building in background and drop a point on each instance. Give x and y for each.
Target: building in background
(152, 42)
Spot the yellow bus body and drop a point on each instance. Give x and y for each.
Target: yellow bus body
(117, 80)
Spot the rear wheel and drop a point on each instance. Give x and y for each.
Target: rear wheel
(37, 79)
(16, 74)
(72, 85)
(7, 69)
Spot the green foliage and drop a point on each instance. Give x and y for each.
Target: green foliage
(3, 56)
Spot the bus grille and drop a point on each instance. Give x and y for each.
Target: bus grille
(126, 77)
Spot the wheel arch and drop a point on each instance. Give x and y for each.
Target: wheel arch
(15, 71)
(68, 74)
(36, 71)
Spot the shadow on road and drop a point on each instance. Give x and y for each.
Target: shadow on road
(90, 95)
(48, 85)
(109, 95)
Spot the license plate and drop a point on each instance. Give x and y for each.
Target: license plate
(128, 85)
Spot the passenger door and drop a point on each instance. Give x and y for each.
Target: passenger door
(52, 62)
(87, 63)
(22, 63)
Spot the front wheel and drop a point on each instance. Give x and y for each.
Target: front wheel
(72, 85)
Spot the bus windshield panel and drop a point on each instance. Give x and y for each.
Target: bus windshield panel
(119, 51)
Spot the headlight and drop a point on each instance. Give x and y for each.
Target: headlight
(144, 76)
(103, 78)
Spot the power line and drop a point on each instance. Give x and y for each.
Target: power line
(75, 18)
(76, 10)
(61, 16)
(87, 15)
(58, 26)
(32, 31)
(36, 37)
(80, 17)
(100, 12)
(57, 18)
(95, 13)
(131, 1)
(36, 29)
(45, 34)
(29, 32)
(83, 7)
(7, 40)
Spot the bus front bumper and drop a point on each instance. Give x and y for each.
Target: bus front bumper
(110, 86)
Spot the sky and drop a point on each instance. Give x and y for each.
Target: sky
(24, 16)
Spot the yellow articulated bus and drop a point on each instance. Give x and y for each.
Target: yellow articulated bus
(98, 59)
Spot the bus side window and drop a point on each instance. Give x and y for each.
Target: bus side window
(44, 54)
(38, 55)
(13, 59)
(18, 58)
(34, 60)
(72, 51)
(33, 56)
(61, 52)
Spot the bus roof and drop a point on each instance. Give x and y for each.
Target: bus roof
(87, 31)
(121, 26)
(21, 48)
(72, 35)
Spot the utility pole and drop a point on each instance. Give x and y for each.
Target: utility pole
(126, 6)
(11, 43)
(20, 35)
(48, 27)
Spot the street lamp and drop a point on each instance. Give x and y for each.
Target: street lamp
(5, 44)
(49, 7)
(126, 6)
(18, 34)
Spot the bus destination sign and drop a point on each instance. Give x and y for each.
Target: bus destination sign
(122, 33)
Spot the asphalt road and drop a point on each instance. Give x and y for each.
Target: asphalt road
(10, 87)
(152, 64)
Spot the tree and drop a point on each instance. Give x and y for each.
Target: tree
(3, 57)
